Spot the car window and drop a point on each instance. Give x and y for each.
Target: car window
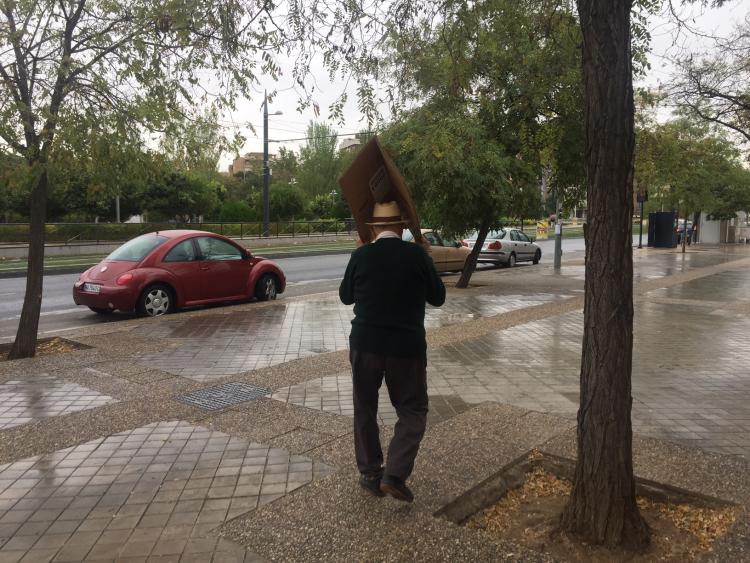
(499, 234)
(514, 236)
(407, 236)
(522, 237)
(183, 252)
(137, 249)
(217, 249)
(433, 239)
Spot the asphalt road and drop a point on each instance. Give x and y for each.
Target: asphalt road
(305, 275)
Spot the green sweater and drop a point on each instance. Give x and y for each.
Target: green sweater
(389, 282)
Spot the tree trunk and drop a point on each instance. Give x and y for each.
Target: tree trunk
(471, 261)
(602, 507)
(25, 343)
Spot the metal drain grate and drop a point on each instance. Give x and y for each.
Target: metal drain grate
(223, 396)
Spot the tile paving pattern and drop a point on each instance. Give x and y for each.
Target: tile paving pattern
(690, 368)
(40, 396)
(334, 394)
(684, 388)
(153, 493)
(652, 266)
(209, 347)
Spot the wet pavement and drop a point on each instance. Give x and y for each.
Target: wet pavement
(153, 491)
(29, 399)
(228, 342)
(238, 408)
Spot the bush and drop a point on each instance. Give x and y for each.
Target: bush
(237, 211)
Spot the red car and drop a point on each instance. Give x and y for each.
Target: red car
(162, 271)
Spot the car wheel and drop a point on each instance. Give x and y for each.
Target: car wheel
(101, 311)
(266, 288)
(537, 256)
(512, 260)
(155, 301)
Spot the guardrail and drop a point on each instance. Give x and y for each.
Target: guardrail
(81, 233)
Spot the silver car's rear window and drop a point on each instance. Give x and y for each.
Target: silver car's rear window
(500, 233)
(136, 249)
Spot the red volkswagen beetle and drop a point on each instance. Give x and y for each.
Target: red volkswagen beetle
(158, 272)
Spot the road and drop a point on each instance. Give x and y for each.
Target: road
(305, 275)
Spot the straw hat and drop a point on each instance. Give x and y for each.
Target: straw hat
(386, 213)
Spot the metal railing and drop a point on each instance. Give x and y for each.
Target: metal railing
(83, 233)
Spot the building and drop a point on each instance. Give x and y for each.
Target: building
(250, 162)
(350, 145)
(711, 231)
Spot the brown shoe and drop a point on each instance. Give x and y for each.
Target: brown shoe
(397, 488)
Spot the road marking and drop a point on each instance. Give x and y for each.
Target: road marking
(306, 282)
(11, 338)
(46, 314)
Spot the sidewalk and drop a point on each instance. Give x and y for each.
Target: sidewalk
(225, 434)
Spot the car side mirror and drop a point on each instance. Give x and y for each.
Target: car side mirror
(532, 239)
(246, 255)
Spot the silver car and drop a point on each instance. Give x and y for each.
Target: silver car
(506, 246)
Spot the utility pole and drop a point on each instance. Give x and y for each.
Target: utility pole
(558, 231)
(266, 167)
(640, 228)
(117, 207)
(266, 208)
(642, 198)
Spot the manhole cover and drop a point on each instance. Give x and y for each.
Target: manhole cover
(222, 396)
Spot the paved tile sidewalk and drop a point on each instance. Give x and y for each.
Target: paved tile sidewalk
(690, 380)
(334, 394)
(211, 347)
(153, 491)
(159, 490)
(33, 398)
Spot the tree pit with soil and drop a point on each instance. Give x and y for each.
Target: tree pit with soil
(46, 347)
(522, 504)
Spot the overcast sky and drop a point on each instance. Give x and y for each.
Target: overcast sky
(666, 44)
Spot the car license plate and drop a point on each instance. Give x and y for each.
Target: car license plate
(92, 288)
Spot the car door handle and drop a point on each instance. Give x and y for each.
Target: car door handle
(204, 268)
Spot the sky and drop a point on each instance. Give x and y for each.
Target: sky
(667, 42)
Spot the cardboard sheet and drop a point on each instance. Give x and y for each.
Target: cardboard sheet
(374, 177)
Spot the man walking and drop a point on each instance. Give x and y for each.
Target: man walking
(389, 281)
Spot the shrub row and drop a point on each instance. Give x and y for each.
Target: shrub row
(115, 232)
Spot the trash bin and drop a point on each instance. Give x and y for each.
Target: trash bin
(661, 231)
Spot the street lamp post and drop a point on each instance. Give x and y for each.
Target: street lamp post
(642, 197)
(558, 233)
(266, 168)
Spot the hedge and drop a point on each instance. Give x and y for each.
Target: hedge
(72, 233)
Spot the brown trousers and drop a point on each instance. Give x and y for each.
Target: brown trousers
(406, 379)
